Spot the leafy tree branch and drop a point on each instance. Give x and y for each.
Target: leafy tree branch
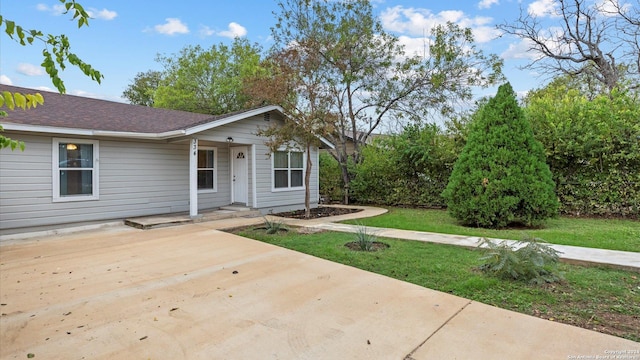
(56, 56)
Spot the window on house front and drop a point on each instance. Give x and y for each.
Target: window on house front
(207, 174)
(288, 169)
(75, 170)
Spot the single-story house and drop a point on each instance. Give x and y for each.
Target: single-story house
(94, 160)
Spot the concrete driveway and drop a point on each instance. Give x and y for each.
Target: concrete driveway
(193, 292)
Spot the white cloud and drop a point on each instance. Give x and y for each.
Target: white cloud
(611, 7)
(544, 8)
(522, 94)
(414, 46)
(409, 20)
(58, 9)
(233, 31)
(29, 69)
(520, 50)
(206, 31)
(484, 34)
(171, 27)
(4, 79)
(485, 4)
(103, 14)
(86, 94)
(553, 38)
(419, 22)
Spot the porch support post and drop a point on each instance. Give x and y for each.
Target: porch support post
(193, 178)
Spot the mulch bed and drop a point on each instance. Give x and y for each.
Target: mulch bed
(318, 212)
(375, 246)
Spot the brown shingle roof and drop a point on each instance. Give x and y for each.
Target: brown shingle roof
(75, 112)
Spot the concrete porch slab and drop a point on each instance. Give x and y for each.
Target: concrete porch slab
(227, 212)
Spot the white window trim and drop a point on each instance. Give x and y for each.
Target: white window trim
(215, 170)
(273, 172)
(55, 173)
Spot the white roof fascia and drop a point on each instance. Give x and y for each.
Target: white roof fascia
(86, 132)
(327, 142)
(231, 119)
(47, 129)
(137, 135)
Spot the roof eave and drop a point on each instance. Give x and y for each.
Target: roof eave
(87, 132)
(137, 135)
(46, 129)
(327, 143)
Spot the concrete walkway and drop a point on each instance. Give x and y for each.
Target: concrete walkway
(194, 292)
(573, 254)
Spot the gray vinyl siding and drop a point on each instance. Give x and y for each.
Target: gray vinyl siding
(221, 197)
(270, 201)
(136, 178)
(244, 134)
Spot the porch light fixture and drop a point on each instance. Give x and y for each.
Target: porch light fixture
(72, 147)
(229, 139)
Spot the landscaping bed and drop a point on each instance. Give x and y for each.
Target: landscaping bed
(319, 212)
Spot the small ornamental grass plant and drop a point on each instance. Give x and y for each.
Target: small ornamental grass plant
(529, 260)
(274, 226)
(364, 239)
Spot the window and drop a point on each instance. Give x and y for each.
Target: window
(75, 170)
(288, 170)
(207, 174)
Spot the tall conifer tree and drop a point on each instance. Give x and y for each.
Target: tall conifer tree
(501, 176)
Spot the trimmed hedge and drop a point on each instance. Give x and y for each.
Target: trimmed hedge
(592, 148)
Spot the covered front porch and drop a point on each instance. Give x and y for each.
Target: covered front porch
(220, 176)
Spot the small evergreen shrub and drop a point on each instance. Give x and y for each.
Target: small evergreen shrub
(530, 260)
(501, 176)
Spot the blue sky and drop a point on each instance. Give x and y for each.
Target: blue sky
(124, 37)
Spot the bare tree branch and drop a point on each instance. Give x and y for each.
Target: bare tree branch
(601, 40)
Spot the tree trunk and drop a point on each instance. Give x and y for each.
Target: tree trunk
(345, 180)
(307, 180)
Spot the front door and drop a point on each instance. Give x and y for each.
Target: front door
(239, 175)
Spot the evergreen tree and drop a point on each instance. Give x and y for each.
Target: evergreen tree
(501, 176)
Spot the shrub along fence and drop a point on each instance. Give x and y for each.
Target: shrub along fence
(409, 169)
(592, 148)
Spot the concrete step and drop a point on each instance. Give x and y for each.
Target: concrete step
(225, 212)
(235, 208)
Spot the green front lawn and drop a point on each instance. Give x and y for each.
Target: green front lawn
(612, 234)
(595, 298)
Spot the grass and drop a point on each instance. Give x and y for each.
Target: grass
(600, 299)
(612, 234)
